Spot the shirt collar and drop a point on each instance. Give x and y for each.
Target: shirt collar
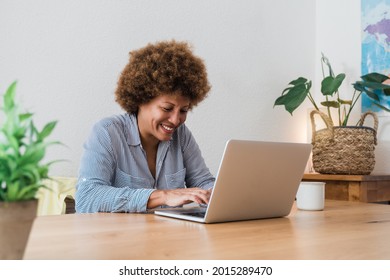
(132, 133)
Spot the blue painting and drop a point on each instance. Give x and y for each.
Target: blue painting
(375, 45)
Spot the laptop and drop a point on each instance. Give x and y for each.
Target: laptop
(255, 180)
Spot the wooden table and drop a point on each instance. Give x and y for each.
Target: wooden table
(363, 188)
(344, 230)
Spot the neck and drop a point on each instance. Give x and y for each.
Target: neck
(149, 144)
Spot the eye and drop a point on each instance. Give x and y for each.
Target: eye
(166, 109)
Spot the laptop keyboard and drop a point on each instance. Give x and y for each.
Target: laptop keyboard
(196, 214)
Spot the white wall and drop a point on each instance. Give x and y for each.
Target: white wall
(67, 56)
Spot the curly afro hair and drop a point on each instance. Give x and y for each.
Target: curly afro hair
(167, 67)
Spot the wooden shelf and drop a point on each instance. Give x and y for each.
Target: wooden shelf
(363, 188)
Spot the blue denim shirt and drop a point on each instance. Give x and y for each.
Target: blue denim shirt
(114, 175)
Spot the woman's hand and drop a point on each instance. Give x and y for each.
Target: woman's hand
(178, 197)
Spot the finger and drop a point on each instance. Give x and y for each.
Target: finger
(202, 199)
(185, 196)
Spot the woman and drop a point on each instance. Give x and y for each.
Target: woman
(147, 157)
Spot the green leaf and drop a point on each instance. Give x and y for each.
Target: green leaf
(375, 77)
(33, 129)
(25, 116)
(47, 130)
(372, 89)
(344, 102)
(286, 89)
(34, 153)
(293, 97)
(372, 95)
(2, 194)
(374, 85)
(330, 85)
(358, 86)
(44, 171)
(28, 192)
(12, 191)
(13, 143)
(9, 97)
(333, 104)
(386, 91)
(298, 81)
(28, 172)
(19, 133)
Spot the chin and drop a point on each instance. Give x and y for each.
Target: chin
(162, 136)
(166, 138)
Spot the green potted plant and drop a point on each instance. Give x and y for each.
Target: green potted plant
(341, 149)
(22, 150)
(298, 90)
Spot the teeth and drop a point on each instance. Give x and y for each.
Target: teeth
(167, 127)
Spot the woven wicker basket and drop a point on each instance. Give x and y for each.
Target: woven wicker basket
(344, 149)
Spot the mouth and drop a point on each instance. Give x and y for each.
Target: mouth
(168, 129)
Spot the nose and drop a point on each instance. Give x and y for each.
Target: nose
(175, 118)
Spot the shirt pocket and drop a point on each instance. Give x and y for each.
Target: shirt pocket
(123, 179)
(176, 180)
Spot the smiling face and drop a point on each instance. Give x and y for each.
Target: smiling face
(159, 118)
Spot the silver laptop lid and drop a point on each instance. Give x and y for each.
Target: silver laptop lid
(257, 180)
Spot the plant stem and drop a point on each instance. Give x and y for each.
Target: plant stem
(339, 109)
(328, 109)
(325, 61)
(312, 101)
(354, 100)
